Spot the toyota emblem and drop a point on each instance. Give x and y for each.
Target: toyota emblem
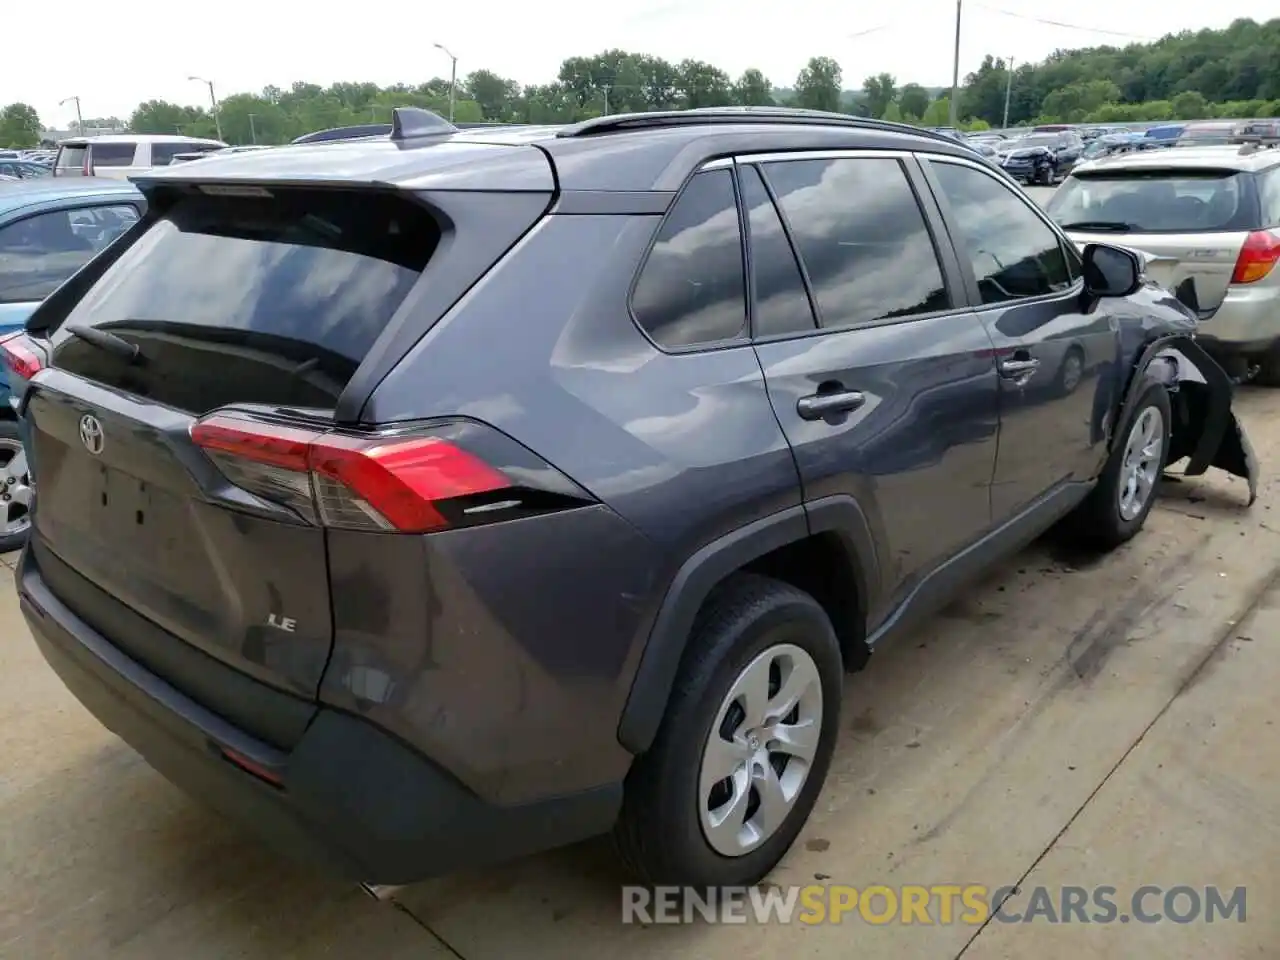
(91, 433)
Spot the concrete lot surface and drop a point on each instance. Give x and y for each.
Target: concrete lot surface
(1070, 721)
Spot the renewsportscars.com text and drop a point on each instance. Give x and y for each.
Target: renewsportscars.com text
(969, 904)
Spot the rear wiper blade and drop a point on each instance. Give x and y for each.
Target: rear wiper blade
(122, 348)
(1111, 226)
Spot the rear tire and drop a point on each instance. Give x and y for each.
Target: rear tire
(757, 646)
(1118, 505)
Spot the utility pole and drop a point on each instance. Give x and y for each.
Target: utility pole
(453, 77)
(213, 104)
(955, 71)
(79, 118)
(1008, 90)
(253, 130)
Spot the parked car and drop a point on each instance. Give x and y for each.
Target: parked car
(1166, 132)
(23, 169)
(1106, 144)
(1208, 133)
(48, 230)
(120, 156)
(225, 151)
(1040, 158)
(414, 554)
(1208, 217)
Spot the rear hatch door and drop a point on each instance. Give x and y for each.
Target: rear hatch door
(1190, 223)
(266, 297)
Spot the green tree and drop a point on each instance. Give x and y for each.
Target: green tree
(752, 89)
(878, 92)
(1190, 105)
(161, 116)
(938, 114)
(818, 85)
(892, 112)
(702, 85)
(913, 101)
(496, 95)
(19, 126)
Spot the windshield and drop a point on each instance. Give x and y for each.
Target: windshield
(1156, 202)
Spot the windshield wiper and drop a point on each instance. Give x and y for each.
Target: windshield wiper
(1109, 226)
(109, 342)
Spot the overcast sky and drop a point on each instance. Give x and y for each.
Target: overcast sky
(148, 52)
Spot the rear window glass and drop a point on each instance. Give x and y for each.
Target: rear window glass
(38, 253)
(1156, 202)
(71, 158)
(112, 154)
(255, 300)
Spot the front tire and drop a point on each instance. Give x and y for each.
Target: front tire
(745, 745)
(15, 489)
(1117, 507)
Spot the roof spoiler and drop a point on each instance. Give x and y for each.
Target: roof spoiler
(406, 123)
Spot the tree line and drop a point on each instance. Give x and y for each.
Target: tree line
(1191, 75)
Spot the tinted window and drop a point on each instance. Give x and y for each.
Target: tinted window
(781, 304)
(691, 289)
(862, 238)
(1156, 201)
(271, 300)
(1013, 252)
(38, 253)
(112, 154)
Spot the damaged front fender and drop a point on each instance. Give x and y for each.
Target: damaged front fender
(1205, 430)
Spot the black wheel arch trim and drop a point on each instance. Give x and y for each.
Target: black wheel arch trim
(709, 565)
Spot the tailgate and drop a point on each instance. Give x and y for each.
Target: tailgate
(128, 503)
(1207, 258)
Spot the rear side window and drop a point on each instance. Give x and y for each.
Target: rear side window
(112, 154)
(1014, 254)
(1160, 201)
(258, 300)
(1269, 186)
(71, 158)
(691, 289)
(781, 303)
(862, 237)
(38, 253)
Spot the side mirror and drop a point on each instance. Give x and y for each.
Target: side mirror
(1111, 271)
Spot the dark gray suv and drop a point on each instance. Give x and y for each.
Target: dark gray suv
(436, 497)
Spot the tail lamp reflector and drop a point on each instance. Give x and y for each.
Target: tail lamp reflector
(1257, 257)
(20, 355)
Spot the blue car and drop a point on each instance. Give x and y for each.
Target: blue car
(49, 229)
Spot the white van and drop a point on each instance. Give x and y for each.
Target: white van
(119, 156)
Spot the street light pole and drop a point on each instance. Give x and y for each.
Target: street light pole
(253, 131)
(213, 103)
(453, 76)
(955, 71)
(79, 118)
(1008, 90)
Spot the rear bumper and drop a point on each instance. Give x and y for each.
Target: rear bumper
(1247, 321)
(355, 801)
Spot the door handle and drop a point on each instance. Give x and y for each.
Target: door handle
(1019, 369)
(820, 405)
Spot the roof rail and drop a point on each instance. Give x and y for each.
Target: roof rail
(1252, 144)
(712, 115)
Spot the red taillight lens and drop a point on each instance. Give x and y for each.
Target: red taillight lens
(20, 355)
(364, 482)
(1257, 257)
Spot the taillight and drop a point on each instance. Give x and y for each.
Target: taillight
(455, 473)
(20, 355)
(1257, 257)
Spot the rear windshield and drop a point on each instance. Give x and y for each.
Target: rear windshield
(1191, 201)
(112, 154)
(70, 158)
(253, 300)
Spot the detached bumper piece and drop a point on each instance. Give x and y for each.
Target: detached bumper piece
(349, 798)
